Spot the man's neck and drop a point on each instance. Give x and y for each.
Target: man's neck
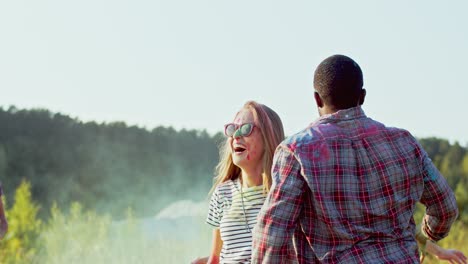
(326, 110)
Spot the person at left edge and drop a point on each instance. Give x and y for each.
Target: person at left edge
(3, 220)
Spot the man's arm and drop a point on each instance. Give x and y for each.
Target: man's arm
(278, 218)
(439, 199)
(449, 255)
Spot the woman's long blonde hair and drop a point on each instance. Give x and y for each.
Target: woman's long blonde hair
(271, 128)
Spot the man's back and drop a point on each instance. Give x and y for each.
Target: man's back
(360, 182)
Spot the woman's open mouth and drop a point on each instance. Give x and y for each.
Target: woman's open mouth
(239, 150)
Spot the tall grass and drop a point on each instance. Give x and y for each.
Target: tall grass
(177, 234)
(85, 237)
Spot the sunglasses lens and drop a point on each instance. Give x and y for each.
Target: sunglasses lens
(246, 129)
(229, 130)
(232, 130)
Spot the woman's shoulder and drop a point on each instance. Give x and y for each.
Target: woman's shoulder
(226, 187)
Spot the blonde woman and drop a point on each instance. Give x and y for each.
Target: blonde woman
(242, 182)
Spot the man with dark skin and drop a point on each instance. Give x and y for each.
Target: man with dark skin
(345, 188)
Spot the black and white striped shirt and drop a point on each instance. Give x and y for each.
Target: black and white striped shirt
(226, 212)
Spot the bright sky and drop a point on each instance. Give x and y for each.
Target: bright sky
(192, 64)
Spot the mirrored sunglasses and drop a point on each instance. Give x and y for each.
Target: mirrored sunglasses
(243, 130)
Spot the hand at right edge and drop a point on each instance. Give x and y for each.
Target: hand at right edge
(449, 255)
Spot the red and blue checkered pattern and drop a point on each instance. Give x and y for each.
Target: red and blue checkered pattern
(345, 190)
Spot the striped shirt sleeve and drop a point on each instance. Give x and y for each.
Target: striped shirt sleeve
(437, 196)
(215, 209)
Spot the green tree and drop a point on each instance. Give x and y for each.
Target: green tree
(78, 237)
(450, 166)
(462, 201)
(3, 161)
(464, 167)
(20, 243)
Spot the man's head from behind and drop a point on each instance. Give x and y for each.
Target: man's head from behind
(338, 84)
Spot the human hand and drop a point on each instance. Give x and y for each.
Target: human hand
(203, 260)
(452, 256)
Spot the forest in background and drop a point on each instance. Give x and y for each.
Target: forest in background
(107, 167)
(64, 178)
(110, 167)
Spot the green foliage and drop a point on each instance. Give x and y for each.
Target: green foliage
(20, 243)
(108, 167)
(464, 167)
(71, 238)
(448, 158)
(462, 201)
(88, 238)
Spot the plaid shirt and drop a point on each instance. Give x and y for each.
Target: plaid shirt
(344, 191)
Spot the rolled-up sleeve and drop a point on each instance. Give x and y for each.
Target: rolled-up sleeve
(439, 199)
(278, 217)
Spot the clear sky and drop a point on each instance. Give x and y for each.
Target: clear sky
(192, 64)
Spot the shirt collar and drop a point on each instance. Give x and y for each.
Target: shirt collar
(342, 115)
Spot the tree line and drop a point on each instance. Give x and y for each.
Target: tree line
(110, 167)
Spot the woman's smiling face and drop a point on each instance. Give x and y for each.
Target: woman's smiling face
(247, 151)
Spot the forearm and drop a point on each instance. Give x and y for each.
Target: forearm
(449, 255)
(213, 259)
(433, 248)
(217, 244)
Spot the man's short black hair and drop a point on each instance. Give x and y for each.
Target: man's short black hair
(338, 80)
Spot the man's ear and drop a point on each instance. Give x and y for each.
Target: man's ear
(318, 100)
(362, 97)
